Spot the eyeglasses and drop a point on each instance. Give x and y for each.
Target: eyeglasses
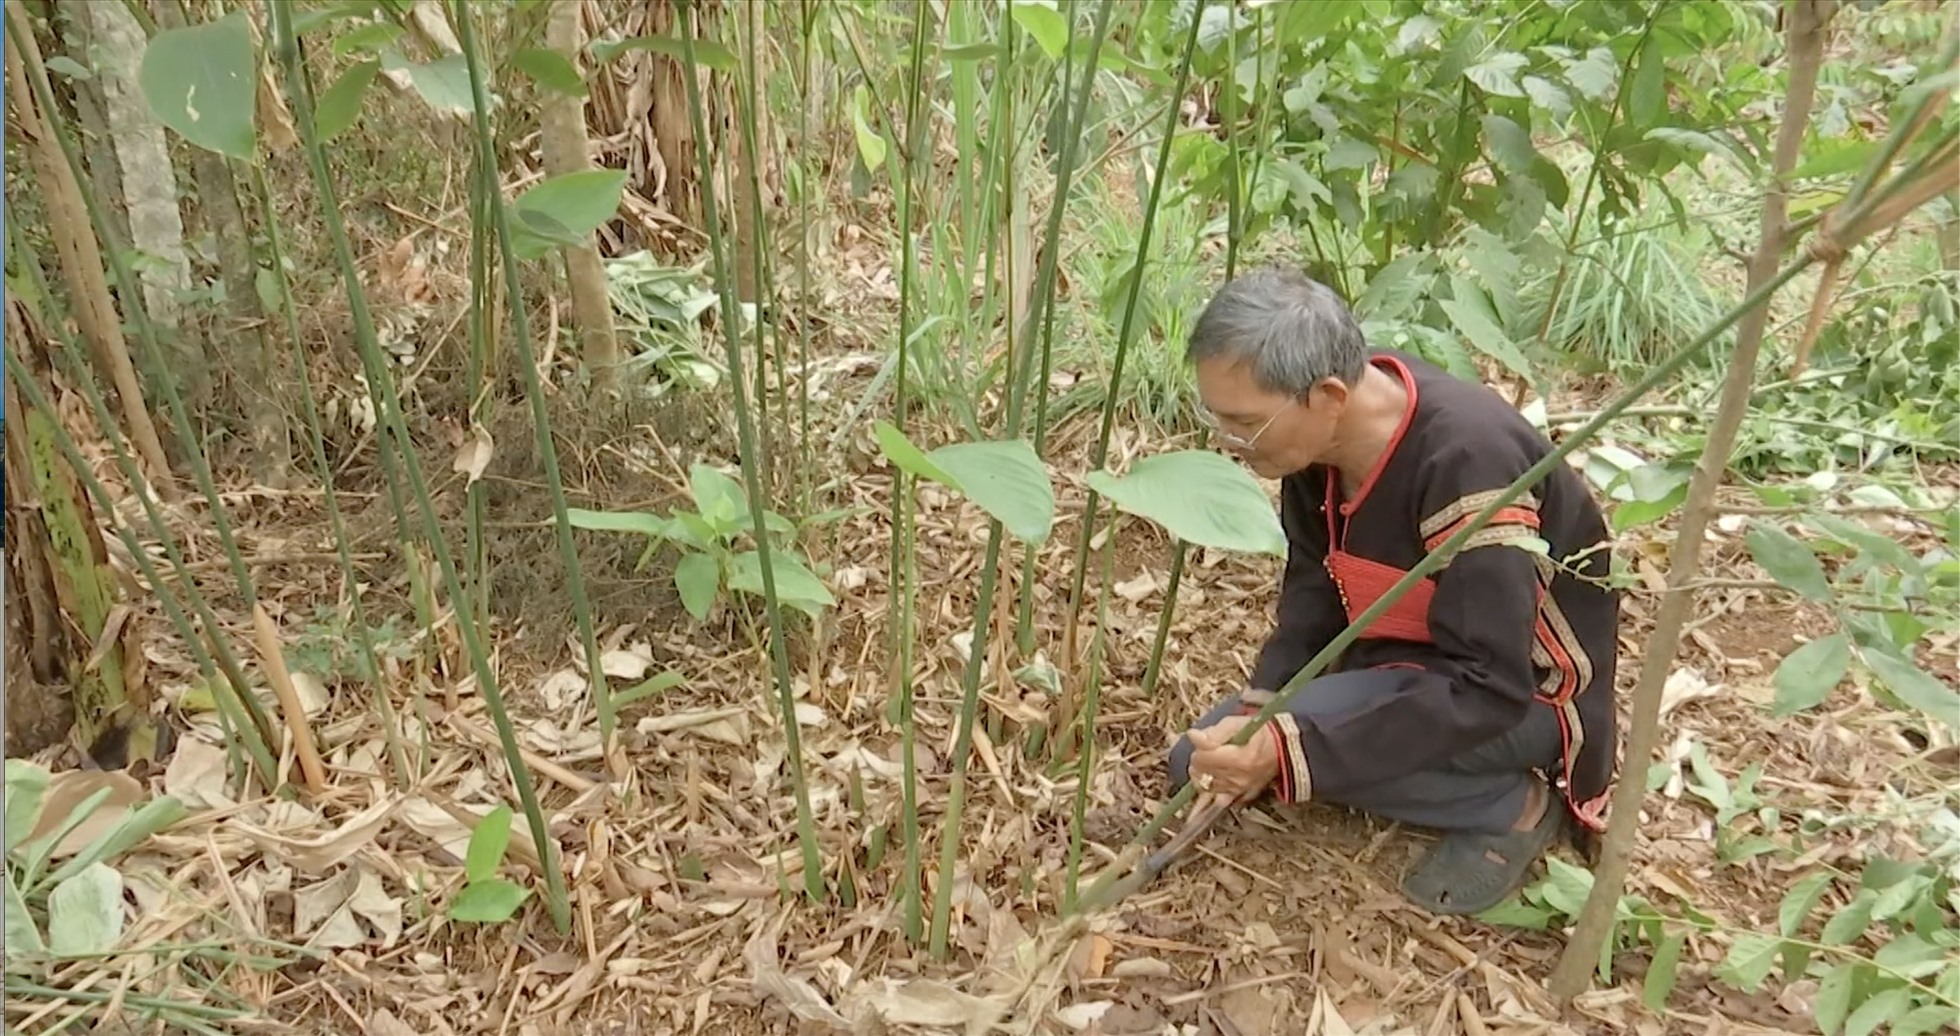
(1230, 440)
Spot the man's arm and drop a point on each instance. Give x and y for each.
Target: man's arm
(1309, 614)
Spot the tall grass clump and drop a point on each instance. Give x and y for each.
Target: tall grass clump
(1631, 293)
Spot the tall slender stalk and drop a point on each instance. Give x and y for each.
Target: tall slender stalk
(904, 565)
(1126, 332)
(483, 191)
(949, 842)
(486, 186)
(363, 636)
(382, 392)
(1153, 670)
(1805, 34)
(766, 315)
(806, 184)
(1085, 767)
(806, 834)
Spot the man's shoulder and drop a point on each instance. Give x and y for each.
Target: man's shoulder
(1457, 418)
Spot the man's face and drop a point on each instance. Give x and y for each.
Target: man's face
(1273, 433)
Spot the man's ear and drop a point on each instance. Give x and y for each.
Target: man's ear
(1329, 391)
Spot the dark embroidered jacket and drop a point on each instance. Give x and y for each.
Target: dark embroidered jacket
(1494, 629)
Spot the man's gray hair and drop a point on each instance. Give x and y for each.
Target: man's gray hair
(1292, 329)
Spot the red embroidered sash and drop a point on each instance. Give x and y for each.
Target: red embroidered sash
(1362, 582)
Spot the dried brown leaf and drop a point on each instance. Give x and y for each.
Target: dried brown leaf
(317, 854)
(68, 789)
(474, 458)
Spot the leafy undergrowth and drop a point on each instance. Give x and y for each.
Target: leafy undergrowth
(1786, 810)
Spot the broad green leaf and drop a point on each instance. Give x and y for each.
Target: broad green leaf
(871, 146)
(1789, 561)
(1349, 153)
(698, 578)
(340, 104)
(1834, 156)
(1807, 675)
(706, 52)
(1922, 1020)
(487, 844)
(443, 83)
(1915, 686)
(1834, 994)
(795, 583)
(1307, 23)
(1897, 898)
(202, 81)
(488, 902)
(1549, 96)
(1594, 74)
(1002, 477)
(27, 788)
(1516, 913)
(1040, 19)
(971, 52)
(1888, 1006)
(1469, 309)
(717, 497)
(1397, 286)
(366, 39)
(1509, 144)
(579, 202)
(1661, 972)
(1912, 956)
(1200, 497)
(620, 521)
(1700, 143)
(22, 936)
(1566, 886)
(1851, 533)
(1658, 488)
(1750, 960)
(1802, 898)
(85, 912)
(1498, 75)
(551, 70)
(1849, 923)
(1647, 94)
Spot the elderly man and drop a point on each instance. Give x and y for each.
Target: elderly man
(1481, 703)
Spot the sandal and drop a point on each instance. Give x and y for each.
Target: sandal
(1470, 872)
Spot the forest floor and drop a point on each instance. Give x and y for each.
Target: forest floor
(1283, 920)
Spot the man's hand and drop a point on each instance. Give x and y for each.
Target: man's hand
(1240, 772)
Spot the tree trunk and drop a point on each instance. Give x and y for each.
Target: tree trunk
(77, 35)
(143, 161)
(561, 125)
(251, 374)
(76, 634)
(81, 260)
(1805, 32)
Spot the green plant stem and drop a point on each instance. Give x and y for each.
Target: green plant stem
(766, 311)
(806, 833)
(1091, 704)
(949, 841)
(806, 469)
(381, 390)
(1095, 898)
(1126, 331)
(363, 636)
(527, 361)
(483, 194)
(904, 567)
